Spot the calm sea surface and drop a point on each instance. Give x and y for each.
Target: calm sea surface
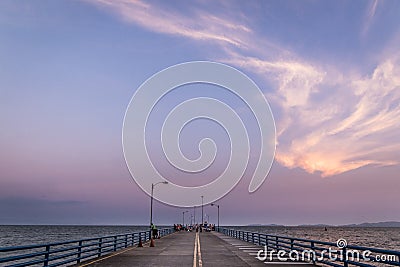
(18, 235)
(11, 235)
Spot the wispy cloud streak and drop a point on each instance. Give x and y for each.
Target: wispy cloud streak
(369, 16)
(198, 26)
(329, 122)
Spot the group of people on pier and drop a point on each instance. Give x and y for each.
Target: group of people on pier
(188, 227)
(195, 227)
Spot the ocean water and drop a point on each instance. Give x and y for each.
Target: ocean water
(18, 235)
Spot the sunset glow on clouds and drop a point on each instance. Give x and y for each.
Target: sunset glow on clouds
(329, 121)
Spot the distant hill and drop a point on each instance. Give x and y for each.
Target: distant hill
(377, 224)
(258, 224)
(314, 225)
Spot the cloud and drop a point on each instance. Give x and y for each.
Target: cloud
(328, 121)
(369, 16)
(353, 124)
(205, 26)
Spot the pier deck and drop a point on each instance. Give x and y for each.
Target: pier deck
(189, 249)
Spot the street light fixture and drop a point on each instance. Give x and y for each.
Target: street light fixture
(151, 199)
(213, 204)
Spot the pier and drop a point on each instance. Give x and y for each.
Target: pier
(189, 249)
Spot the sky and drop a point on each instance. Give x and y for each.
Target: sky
(330, 71)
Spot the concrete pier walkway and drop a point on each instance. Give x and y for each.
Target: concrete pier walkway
(189, 249)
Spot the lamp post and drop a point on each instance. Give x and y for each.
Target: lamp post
(183, 217)
(202, 219)
(151, 199)
(212, 204)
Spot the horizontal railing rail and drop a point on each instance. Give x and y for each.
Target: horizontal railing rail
(72, 252)
(326, 253)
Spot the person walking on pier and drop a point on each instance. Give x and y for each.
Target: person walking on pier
(154, 231)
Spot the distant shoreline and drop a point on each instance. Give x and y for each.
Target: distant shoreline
(376, 224)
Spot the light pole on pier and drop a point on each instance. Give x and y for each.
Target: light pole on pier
(183, 217)
(202, 219)
(151, 199)
(213, 204)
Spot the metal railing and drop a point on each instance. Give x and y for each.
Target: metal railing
(72, 252)
(314, 251)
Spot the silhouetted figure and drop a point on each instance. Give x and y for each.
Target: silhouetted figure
(154, 231)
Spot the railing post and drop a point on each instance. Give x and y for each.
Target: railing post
(344, 255)
(46, 256)
(312, 249)
(252, 238)
(99, 247)
(126, 240)
(78, 259)
(115, 243)
(291, 243)
(277, 244)
(259, 239)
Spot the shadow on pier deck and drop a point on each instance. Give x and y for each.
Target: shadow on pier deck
(190, 249)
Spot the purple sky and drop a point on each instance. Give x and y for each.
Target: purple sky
(330, 71)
